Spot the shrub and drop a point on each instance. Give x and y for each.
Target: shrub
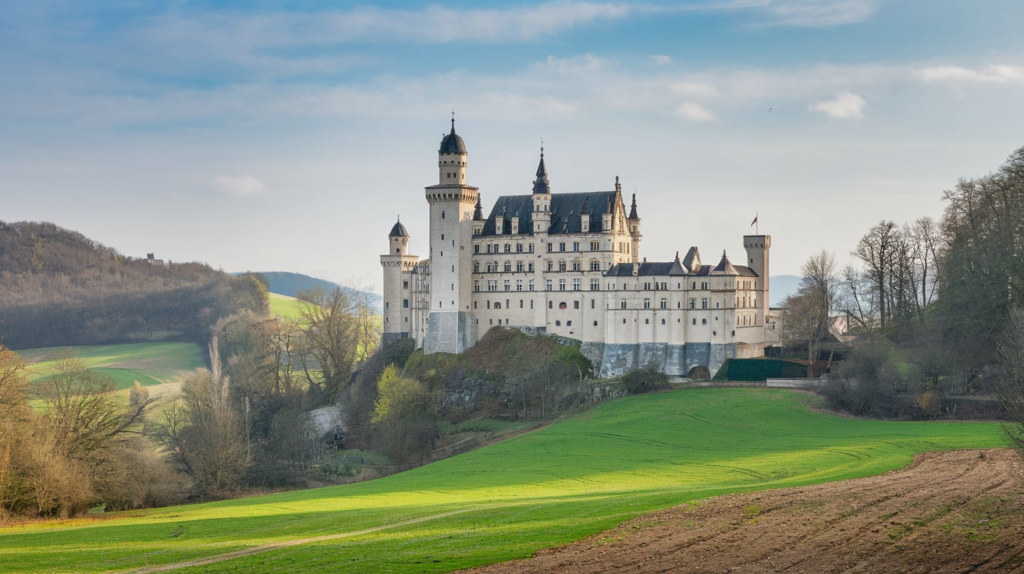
(645, 380)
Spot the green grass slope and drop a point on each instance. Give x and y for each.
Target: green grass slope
(148, 363)
(544, 488)
(284, 306)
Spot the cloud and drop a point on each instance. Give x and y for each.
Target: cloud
(818, 13)
(660, 59)
(241, 186)
(845, 106)
(998, 74)
(576, 65)
(694, 89)
(694, 112)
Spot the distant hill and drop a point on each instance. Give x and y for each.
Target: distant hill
(782, 286)
(59, 288)
(286, 283)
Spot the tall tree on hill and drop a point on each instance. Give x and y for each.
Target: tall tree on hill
(982, 274)
(1011, 388)
(339, 332)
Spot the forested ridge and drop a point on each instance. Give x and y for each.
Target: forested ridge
(58, 287)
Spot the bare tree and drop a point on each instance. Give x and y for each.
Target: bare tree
(339, 331)
(876, 249)
(809, 311)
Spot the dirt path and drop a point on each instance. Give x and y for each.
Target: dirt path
(286, 544)
(957, 511)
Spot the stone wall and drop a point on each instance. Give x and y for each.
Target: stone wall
(611, 359)
(448, 333)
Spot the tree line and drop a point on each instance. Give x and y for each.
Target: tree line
(57, 288)
(934, 305)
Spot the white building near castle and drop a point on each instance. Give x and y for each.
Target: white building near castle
(568, 264)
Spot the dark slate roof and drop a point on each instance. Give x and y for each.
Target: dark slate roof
(541, 184)
(724, 267)
(398, 231)
(671, 268)
(706, 270)
(632, 209)
(452, 143)
(565, 212)
(478, 210)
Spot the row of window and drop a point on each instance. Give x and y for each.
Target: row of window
(508, 248)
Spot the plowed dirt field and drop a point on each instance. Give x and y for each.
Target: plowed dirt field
(954, 511)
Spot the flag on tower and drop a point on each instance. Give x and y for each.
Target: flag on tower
(753, 223)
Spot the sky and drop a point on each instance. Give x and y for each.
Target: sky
(273, 136)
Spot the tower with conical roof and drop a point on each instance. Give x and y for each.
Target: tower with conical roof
(452, 203)
(397, 264)
(633, 223)
(541, 198)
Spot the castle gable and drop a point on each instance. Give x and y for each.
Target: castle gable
(565, 212)
(670, 269)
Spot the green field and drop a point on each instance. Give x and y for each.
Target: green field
(148, 363)
(543, 488)
(285, 307)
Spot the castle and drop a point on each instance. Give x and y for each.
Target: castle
(568, 264)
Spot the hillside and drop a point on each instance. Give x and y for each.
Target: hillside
(59, 288)
(290, 284)
(549, 487)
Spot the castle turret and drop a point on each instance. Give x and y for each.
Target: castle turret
(757, 247)
(541, 198)
(633, 223)
(397, 264)
(452, 202)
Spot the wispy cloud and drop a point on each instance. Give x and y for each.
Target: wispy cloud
(845, 106)
(694, 112)
(661, 59)
(818, 13)
(998, 74)
(242, 186)
(577, 65)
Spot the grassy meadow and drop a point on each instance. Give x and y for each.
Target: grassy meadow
(547, 487)
(148, 363)
(284, 306)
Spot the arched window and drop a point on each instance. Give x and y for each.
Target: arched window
(562, 305)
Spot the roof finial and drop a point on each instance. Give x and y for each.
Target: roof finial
(541, 148)
(453, 119)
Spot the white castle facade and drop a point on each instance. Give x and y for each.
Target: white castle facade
(568, 264)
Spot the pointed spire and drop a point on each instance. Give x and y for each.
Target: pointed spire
(584, 209)
(541, 184)
(398, 230)
(677, 256)
(632, 209)
(478, 211)
(452, 143)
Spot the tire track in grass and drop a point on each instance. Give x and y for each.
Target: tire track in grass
(289, 543)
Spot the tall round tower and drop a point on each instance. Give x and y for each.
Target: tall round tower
(397, 264)
(452, 203)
